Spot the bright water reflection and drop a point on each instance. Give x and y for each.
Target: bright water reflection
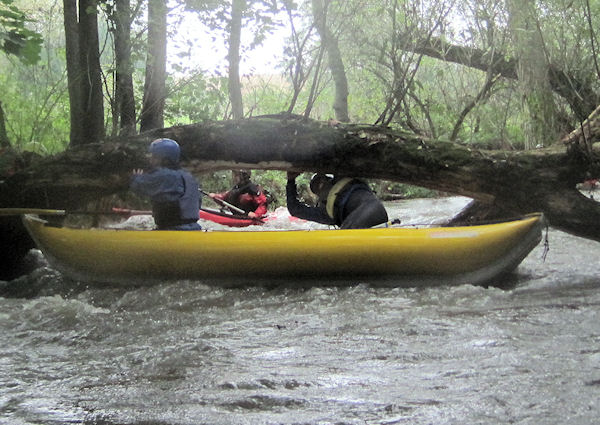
(187, 353)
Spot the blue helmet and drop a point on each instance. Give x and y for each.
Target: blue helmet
(165, 148)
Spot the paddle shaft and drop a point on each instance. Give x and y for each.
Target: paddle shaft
(130, 212)
(40, 211)
(226, 204)
(119, 211)
(45, 211)
(218, 201)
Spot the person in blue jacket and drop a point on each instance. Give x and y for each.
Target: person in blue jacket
(174, 192)
(345, 202)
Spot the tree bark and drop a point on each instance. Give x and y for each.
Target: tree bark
(125, 102)
(586, 134)
(153, 104)
(74, 71)
(92, 98)
(4, 142)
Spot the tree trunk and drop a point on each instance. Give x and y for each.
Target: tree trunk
(336, 64)
(533, 74)
(153, 106)
(514, 182)
(586, 134)
(4, 142)
(92, 98)
(125, 102)
(74, 71)
(233, 56)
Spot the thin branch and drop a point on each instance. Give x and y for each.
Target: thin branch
(483, 93)
(588, 15)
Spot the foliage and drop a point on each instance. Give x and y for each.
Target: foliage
(265, 95)
(418, 93)
(196, 99)
(258, 17)
(15, 37)
(35, 97)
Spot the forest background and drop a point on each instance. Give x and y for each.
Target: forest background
(495, 75)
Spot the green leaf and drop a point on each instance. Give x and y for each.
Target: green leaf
(15, 38)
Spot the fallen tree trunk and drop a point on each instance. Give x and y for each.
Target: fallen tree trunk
(509, 182)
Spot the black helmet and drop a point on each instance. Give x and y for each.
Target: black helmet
(317, 181)
(244, 175)
(241, 177)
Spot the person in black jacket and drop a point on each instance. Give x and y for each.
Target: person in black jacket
(345, 202)
(245, 195)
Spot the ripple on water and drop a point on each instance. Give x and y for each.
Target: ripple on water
(187, 353)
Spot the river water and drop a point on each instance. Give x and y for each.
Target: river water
(187, 353)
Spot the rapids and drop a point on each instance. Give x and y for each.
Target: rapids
(187, 353)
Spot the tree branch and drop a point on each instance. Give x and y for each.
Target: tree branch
(580, 95)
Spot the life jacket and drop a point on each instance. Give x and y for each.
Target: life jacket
(181, 211)
(339, 194)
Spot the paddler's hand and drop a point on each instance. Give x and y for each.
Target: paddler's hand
(137, 171)
(252, 214)
(291, 175)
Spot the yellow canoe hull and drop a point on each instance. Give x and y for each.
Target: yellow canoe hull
(389, 256)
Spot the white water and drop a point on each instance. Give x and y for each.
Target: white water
(187, 353)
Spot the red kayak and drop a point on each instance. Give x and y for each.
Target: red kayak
(231, 220)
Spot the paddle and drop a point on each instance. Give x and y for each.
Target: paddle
(225, 204)
(40, 211)
(129, 212)
(119, 211)
(44, 211)
(218, 201)
(211, 215)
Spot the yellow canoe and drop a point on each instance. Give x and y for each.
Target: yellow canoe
(383, 256)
